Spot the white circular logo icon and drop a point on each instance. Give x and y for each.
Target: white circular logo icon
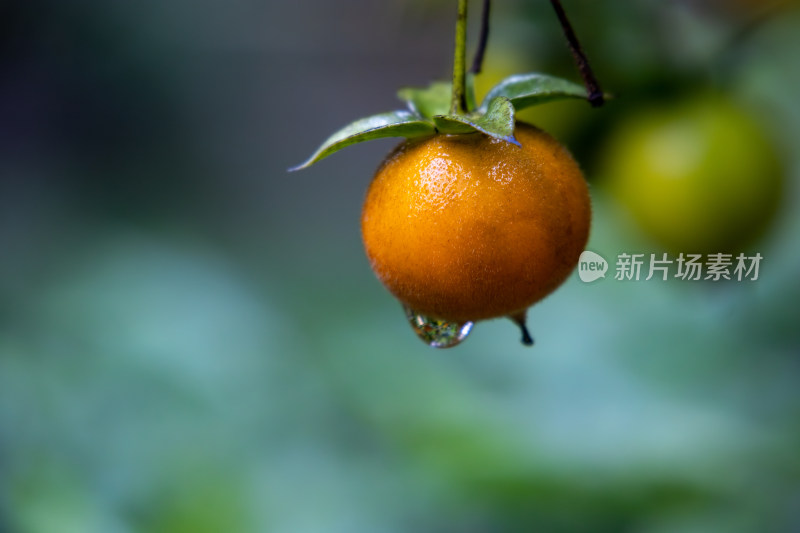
(591, 267)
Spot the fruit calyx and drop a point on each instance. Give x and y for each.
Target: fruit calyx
(428, 112)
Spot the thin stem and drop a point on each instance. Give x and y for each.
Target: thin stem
(477, 62)
(519, 320)
(591, 83)
(458, 103)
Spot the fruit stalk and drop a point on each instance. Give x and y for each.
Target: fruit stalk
(458, 103)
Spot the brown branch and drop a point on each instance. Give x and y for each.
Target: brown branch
(589, 80)
(477, 62)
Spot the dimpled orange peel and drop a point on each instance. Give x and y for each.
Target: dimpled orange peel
(475, 216)
(468, 227)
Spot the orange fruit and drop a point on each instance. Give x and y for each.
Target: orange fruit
(468, 227)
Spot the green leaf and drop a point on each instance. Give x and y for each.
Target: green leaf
(430, 101)
(436, 98)
(454, 124)
(392, 124)
(526, 90)
(497, 122)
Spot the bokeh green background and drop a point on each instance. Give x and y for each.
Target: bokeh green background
(191, 339)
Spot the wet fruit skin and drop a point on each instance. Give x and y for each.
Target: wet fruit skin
(467, 227)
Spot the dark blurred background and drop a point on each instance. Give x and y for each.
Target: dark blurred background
(191, 339)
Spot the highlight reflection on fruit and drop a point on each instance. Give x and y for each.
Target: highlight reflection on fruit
(476, 216)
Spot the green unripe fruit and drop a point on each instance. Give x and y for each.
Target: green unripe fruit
(700, 176)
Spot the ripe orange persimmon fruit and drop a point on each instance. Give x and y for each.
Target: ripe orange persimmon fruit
(469, 227)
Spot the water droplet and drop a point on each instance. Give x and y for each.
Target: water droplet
(437, 333)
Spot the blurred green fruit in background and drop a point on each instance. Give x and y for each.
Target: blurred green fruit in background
(700, 175)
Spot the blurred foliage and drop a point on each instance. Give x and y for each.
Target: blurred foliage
(191, 339)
